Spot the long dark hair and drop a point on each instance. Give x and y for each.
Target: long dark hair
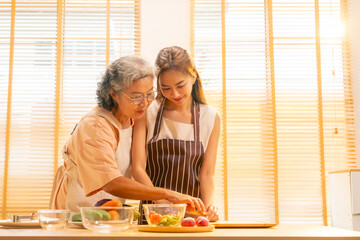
(177, 58)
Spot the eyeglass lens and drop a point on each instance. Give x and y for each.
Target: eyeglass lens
(150, 97)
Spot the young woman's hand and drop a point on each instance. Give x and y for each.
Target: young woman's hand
(213, 213)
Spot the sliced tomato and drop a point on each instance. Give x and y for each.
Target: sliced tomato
(155, 217)
(190, 211)
(151, 213)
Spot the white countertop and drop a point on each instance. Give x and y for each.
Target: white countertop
(283, 231)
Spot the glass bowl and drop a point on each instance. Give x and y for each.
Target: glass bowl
(107, 219)
(164, 214)
(51, 219)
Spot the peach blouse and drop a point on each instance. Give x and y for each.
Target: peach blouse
(91, 149)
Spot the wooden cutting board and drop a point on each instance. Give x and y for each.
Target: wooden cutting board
(238, 224)
(179, 229)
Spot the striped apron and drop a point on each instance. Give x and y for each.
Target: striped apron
(174, 163)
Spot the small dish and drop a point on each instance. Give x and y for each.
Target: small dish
(28, 224)
(51, 219)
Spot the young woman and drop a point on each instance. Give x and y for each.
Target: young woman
(175, 143)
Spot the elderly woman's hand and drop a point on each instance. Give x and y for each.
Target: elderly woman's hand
(162, 201)
(176, 197)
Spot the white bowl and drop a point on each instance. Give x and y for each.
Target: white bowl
(103, 219)
(51, 219)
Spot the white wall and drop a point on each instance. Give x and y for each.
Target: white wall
(164, 23)
(355, 15)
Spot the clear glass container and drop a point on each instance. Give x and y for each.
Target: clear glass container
(107, 219)
(164, 214)
(52, 219)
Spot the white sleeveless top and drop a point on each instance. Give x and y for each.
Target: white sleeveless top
(176, 130)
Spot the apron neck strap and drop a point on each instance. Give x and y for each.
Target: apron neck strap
(159, 117)
(196, 114)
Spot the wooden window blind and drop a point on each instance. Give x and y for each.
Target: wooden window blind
(279, 74)
(52, 54)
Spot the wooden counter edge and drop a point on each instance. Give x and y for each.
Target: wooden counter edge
(345, 170)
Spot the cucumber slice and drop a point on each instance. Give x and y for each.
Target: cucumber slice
(76, 217)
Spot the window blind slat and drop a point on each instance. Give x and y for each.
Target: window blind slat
(33, 71)
(83, 57)
(250, 140)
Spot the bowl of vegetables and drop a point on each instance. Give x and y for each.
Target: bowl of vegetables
(107, 219)
(164, 214)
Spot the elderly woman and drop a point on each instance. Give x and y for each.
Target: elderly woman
(97, 154)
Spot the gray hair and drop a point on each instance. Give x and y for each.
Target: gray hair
(119, 76)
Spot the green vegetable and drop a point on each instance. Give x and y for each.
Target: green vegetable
(76, 217)
(105, 215)
(169, 220)
(136, 214)
(93, 215)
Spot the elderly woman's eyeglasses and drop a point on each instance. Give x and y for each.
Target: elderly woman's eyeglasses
(140, 98)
